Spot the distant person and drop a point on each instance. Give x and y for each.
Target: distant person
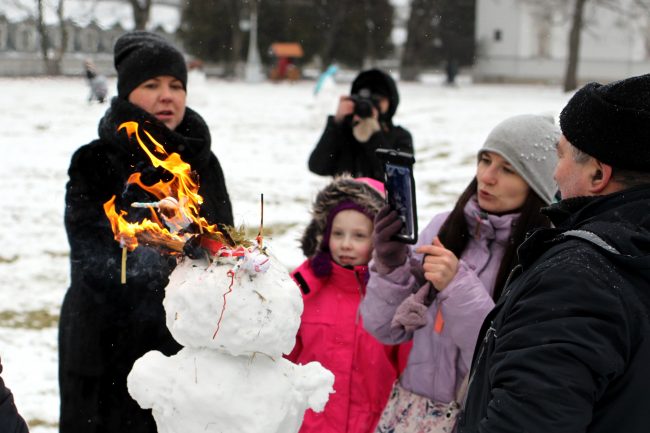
(338, 245)
(106, 325)
(363, 123)
(437, 293)
(96, 83)
(10, 419)
(451, 71)
(567, 347)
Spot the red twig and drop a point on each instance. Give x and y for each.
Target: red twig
(231, 274)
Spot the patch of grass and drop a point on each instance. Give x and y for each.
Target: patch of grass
(37, 422)
(433, 188)
(11, 259)
(55, 254)
(35, 319)
(468, 160)
(277, 229)
(440, 155)
(302, 200)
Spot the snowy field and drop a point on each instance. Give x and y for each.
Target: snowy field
(262, 133)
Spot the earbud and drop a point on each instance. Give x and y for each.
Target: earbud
(598, 175)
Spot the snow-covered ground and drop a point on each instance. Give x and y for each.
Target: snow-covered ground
(262, 133)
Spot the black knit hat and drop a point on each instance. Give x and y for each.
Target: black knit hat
(140, 56)
(611, 122)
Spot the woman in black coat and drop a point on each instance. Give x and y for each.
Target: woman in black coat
(106, 325)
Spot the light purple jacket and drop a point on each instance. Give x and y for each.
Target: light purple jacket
(438, 362)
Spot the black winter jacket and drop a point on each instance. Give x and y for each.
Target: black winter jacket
(105, 325)
(10, 420)
(567, 347)
(339, 152)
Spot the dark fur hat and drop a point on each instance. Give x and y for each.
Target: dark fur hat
(140, 56)
(610, 122)
(342, 188)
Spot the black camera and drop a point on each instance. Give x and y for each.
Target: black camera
(364, 102)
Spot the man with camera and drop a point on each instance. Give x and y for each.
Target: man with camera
(362, 124)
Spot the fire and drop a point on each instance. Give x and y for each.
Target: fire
(178, 200)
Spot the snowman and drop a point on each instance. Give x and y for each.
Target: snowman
(236, 312)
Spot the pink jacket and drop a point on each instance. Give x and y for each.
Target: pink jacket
(331, 333)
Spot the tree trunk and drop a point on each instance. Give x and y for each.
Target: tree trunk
(415, 27)
(369, 55)
(571, 77)
(236, 39)
(63, 43)
(49, 66)
(141, 10)
(336, 17)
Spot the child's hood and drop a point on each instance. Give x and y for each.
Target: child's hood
(365, 192)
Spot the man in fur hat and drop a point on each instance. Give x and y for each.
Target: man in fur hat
(363, 123)
(567, 347)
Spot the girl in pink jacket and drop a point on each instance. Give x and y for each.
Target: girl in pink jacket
(338, 244)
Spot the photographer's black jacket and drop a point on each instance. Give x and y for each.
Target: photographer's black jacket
(105, 325)
(339, 152)
(567, 347)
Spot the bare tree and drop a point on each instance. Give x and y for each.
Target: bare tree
(141, 10)
(578, 24)
(333, 14)
(52, 53)
(234, 13)
(571, 75)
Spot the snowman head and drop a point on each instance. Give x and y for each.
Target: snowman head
(240, 303)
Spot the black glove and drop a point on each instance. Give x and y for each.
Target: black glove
(389, 254)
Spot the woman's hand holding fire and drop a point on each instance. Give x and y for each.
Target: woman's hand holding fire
(172, 212)
(440, 265)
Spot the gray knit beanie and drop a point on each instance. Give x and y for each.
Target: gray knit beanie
(528, 142)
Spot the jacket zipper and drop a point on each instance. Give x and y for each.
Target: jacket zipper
(490, 330)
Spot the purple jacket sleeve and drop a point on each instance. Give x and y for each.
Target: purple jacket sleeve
(465, 303)
(385, 293)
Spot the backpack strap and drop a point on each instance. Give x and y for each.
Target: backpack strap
(592, 238)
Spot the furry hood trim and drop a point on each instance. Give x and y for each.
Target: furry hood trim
(367, 193)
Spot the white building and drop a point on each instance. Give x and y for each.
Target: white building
(526, 40)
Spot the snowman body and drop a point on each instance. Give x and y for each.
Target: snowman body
(235, 320)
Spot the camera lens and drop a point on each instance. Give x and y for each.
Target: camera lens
(363, 108)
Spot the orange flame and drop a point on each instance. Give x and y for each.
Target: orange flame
(183, 187)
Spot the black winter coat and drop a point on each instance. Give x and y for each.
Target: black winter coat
(339, 152)
(10, 420)
(105, 325)
(567, 347)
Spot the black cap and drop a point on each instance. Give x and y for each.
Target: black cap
(611, 122)
(140, 56)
